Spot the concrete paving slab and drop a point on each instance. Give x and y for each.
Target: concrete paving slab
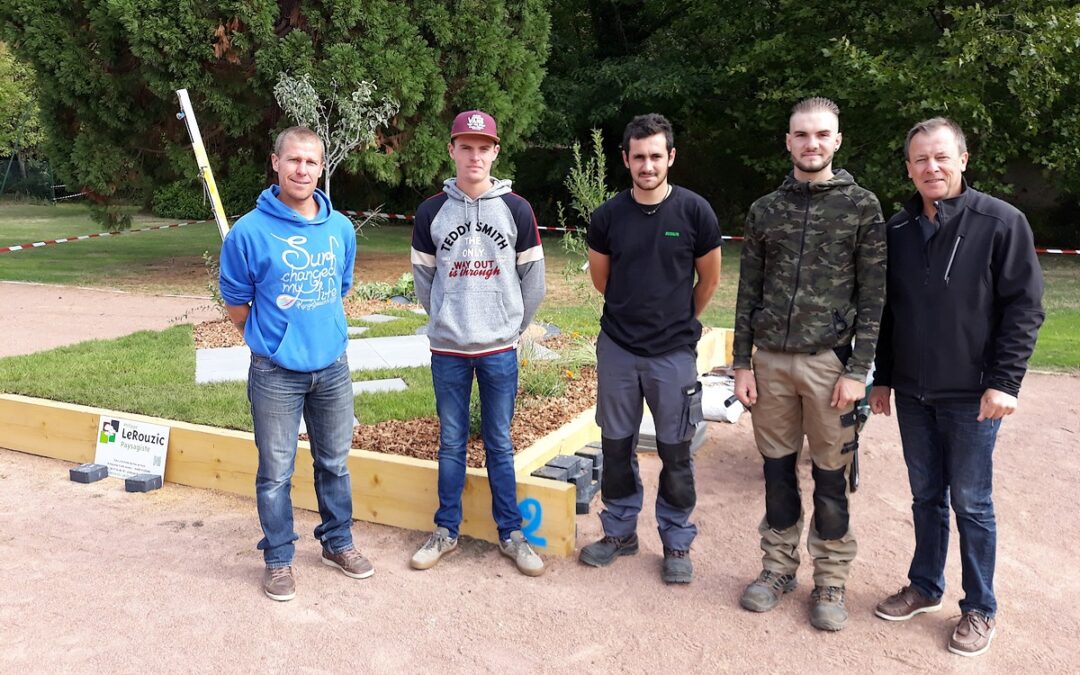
(403, 351)
(223, 364)
(538, 352)
(379, 386)
(357, 330)
(230, 364)
(379, 318)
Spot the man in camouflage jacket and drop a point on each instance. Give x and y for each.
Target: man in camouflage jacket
(812, 278)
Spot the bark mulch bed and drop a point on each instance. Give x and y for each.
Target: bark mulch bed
(534, 418)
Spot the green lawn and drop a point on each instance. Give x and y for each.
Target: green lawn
(157, 260)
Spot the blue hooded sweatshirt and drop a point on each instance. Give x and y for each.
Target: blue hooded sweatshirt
(294, 272)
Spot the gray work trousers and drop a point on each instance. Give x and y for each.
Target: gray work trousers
(668, 383)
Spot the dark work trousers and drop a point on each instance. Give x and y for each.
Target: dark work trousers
(668, 383)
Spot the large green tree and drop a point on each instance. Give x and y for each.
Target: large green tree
(107, 70)
(727, 72)
(20, 128)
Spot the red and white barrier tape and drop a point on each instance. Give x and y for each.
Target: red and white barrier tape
(96, 235)
(393, 216)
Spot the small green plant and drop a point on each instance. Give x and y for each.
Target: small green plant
(587, 183)
(374, 290)
(213, 273)
(380, 290)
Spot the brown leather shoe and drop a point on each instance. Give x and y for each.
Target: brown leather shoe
(972, 635)
(905, 604)
(279, 584)
(350, 562)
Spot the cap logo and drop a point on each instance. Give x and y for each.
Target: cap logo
(476, 123)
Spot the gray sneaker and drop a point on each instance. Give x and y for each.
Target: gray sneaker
(827, 611)
(279, 584)
(519, 549)
(437, 545)
(764, 592)
(350, 562)
(677, 567)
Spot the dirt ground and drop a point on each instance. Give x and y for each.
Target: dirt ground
(98, 580)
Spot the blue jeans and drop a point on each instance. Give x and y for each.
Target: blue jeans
(949, 457)
(497, 380)
(278, 398)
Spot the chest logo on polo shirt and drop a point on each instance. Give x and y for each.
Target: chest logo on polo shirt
(671, 233)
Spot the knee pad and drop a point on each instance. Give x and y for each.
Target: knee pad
(617, 479)
(677, 475)
(830, 502)
(782, 504)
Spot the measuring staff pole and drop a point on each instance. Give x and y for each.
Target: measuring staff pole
(188, 116)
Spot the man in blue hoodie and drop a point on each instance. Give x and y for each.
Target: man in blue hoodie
(285, 268)
(479, 271)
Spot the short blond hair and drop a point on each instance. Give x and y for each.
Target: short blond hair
(297, 134)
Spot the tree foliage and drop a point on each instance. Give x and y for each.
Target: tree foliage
(107, 71)
(20, 129)
(727, 72)
(344, 120)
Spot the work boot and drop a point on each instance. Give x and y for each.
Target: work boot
(518, 549)
(827, 611)
(904, 604)
(279, 584)
(764, 592)
(350, 562)
(437, 545)
(602, 553)
(677, 567)
(972, 635)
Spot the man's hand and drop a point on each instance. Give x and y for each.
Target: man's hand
(995, 405)
(847, 391)
(879, 400)
(238, 314)
(745, 387)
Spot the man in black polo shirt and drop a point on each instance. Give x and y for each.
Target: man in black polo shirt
(645, 245)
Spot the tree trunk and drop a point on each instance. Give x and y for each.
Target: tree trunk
(326, 181)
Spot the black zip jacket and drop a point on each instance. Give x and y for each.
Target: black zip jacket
(962, 310)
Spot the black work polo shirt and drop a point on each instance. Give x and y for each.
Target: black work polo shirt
(649, 298)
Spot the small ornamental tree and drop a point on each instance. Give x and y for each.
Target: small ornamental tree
(344, 121)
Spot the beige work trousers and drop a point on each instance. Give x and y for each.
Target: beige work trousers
(794, 395)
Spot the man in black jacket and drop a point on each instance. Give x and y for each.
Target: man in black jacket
(963, 309)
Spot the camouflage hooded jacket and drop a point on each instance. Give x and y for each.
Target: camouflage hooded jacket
(812, 272)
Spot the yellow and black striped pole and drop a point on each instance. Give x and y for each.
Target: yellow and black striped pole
(188, 116)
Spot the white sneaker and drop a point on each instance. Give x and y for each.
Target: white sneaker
(526, 559)
(437, 545)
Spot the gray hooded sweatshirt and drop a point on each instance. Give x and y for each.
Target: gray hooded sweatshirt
(478, 266)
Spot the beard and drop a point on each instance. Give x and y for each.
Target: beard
(819, 163)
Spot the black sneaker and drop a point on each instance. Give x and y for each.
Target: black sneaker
(602, 553)
(677, 567)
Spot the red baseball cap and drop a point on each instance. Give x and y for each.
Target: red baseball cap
(475, 122)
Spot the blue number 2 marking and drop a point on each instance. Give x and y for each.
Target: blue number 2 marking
(533, 516)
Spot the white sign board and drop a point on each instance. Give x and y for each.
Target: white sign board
(129, 448)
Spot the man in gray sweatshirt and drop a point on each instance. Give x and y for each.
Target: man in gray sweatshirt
(479, 272)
